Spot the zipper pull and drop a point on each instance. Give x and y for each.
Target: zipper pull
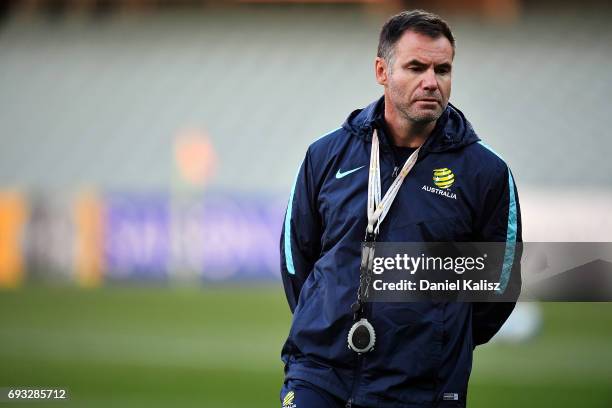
(349, 403)
(395, 171)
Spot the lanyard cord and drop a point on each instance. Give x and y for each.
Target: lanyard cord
(377, 211)
(377, 207)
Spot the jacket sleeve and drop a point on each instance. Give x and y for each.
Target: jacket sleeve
(301, 233)
(500, 222)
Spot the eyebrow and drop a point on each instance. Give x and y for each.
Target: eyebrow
(418, 63)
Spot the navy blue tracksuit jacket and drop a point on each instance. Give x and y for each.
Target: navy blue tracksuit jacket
(423, 353)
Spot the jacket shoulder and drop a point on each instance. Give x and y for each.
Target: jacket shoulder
(326, 145)
(328, 138)
(487, 158)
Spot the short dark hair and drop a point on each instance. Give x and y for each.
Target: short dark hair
(419, 21)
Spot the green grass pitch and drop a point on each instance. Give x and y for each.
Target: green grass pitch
(219, 346)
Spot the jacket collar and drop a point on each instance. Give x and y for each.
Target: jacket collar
(452, 130)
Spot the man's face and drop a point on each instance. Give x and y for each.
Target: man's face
(418, 81)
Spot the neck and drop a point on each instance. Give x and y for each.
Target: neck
(405, 132)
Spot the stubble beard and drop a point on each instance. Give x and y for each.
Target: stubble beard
(420, 118)
(409, 111)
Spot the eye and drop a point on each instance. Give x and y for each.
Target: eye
(416, 68)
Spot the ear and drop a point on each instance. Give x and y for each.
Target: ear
(380, 70)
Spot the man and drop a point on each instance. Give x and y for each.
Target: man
(423, 351)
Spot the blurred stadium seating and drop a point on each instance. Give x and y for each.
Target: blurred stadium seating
(101, 104)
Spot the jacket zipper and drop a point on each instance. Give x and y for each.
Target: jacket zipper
(360, 358)
(396, 165)
(366, 314)
(392, 151)
(349, 403)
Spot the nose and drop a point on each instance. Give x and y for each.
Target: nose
(429, 82)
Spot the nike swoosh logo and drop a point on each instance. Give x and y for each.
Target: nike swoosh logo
(340, 174)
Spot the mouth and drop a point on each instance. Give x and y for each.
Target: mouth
(428, 104)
